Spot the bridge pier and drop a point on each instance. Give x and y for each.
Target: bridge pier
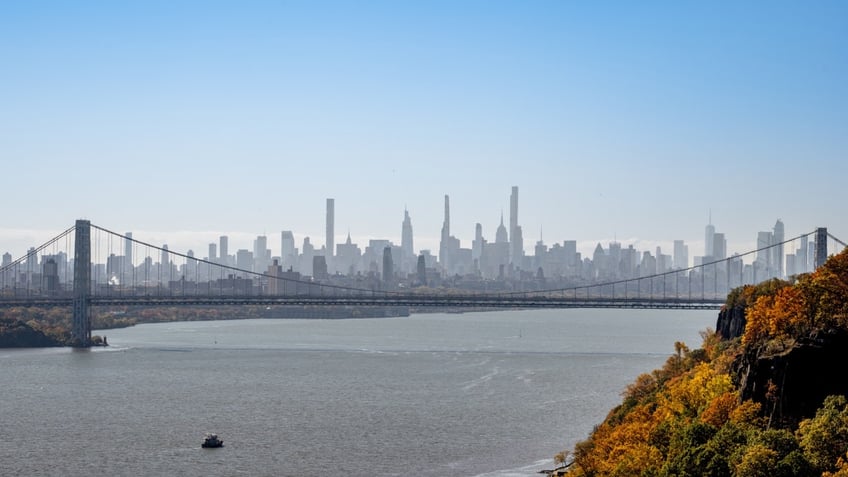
(821, 246)
(81, 329)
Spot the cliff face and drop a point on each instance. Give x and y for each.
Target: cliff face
(17, 334)
(800, 377)
(790, 378)
(731, 322)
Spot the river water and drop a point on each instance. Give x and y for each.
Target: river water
(492, 394)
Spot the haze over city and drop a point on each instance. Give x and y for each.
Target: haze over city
(432, 238)
(184, 121)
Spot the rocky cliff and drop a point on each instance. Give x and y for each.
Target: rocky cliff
(790, 381)
(731, 322)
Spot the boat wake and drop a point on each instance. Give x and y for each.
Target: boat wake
(525, 471)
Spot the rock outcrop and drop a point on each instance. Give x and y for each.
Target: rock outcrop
(731, 322)
(792, 384)
(17, 334)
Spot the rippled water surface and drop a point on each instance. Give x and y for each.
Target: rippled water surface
(494, 394)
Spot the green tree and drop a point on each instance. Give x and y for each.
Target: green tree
(824, 438)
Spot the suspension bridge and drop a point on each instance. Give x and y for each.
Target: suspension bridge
(93, 276)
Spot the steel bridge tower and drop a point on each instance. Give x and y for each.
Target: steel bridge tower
(81, 332)
(821, 246)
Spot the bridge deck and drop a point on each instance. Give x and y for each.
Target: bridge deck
(416, 301)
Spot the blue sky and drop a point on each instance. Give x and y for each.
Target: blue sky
(181, 121)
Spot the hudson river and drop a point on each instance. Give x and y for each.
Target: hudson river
(492, 394)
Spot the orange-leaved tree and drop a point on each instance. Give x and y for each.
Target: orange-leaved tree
(781, 316)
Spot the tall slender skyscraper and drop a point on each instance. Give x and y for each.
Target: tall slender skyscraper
(165, 261)
(330, 228)
(777, 250)
(515, 240)
(445, 240)
(446, 224)
(128, 247)
(709, 238)
(406, 237)
(513, 211)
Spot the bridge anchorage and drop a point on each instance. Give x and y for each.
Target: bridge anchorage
(96, 276)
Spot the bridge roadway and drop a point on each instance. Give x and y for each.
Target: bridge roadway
(409, 300)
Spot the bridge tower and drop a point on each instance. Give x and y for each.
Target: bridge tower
(81, 332)
(821, 246)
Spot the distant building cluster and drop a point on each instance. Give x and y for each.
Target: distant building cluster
(487, 265)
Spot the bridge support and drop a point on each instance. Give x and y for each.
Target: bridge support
(821, 246)
(81, 332)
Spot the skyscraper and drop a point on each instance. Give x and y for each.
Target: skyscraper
(421, 269)
(330, 228)
(513, 211)
(516, 241)
(223, 250)
(165, 261)
(777, 250)
(477, 244)
(388, 265)
(446, 223)
(244, 261)
(501, 235)
(517, 246)
(348, 257)
(128, 247)
(801, 265)
(709, 237)
(406, 237)
(307, 252)
(288, 252)
(719, 246)
(261, 254)
(763, 266)
(570, 250)
(445, 239)
(681, 255)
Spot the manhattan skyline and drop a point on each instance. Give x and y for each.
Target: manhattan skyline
(218, 243)
(185, 121)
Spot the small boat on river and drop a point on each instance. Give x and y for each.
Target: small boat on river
(212, 440)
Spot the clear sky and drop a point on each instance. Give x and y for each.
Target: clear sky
(182, 120)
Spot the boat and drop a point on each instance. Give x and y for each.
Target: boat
(212, 440)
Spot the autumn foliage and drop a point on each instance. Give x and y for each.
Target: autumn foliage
(816, 302)
(687, 419)
(779, 316)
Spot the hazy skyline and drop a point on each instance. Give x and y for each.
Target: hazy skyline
(180, 121)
